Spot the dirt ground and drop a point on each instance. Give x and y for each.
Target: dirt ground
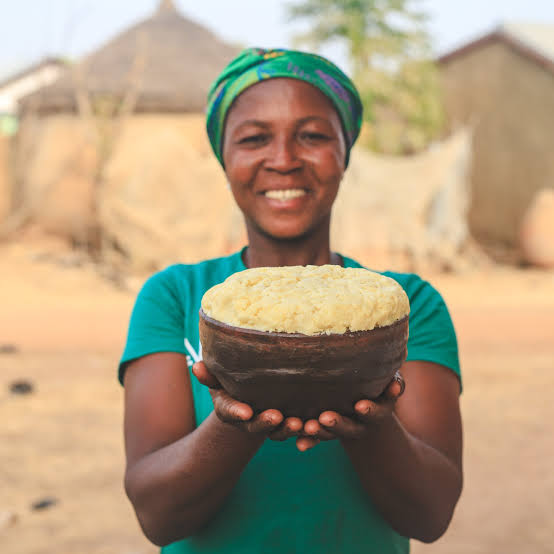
(65, 441)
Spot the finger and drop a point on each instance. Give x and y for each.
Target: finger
(396, 387)
(230, 410)
(305, 443)
(266, 422)
(288, 428)
(341, 426)
(368, 411)
(200, 371)
(312, 428)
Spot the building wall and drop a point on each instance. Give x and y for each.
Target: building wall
(55, 162)
(5, 178)
(159, 198)
(510, 101)
(164, 197)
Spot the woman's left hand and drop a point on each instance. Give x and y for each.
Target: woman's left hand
(332, 425)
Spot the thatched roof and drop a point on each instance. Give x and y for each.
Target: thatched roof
(167, 61)
(534, 41)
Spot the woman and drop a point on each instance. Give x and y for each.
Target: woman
(204, 473)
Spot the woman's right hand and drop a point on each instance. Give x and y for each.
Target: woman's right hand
(270, 423)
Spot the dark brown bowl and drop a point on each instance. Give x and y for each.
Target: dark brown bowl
(302, 375)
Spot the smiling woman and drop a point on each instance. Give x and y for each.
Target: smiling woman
(205, 473)
(284, 161)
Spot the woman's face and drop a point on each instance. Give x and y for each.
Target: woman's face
(284, 154)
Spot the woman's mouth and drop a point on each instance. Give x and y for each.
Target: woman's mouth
(286, 194)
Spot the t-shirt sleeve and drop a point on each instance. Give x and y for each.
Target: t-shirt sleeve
(432, 336)
(157, 323)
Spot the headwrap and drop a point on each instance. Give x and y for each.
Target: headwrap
(256, 64)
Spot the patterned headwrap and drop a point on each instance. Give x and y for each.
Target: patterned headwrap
(255, 64)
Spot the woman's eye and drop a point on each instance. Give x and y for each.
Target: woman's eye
(253, 140)
(315, 137)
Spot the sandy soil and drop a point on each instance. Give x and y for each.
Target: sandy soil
(64, 440)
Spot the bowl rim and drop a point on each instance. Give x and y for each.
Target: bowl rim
(226, 328)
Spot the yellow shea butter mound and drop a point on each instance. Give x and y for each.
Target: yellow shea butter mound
(307, 299)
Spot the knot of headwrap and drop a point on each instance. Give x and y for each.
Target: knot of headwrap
(255, 64)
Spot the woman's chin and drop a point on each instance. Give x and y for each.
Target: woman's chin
(287, 233)
(293, 229)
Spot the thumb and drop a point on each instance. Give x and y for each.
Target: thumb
(200, 371)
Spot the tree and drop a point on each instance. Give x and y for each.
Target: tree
(390, 57)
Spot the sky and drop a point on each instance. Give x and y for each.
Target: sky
(33, 29)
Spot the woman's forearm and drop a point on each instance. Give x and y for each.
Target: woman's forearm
(177, 489)
(414, 486)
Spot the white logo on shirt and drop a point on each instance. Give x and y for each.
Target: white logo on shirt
(193, 356)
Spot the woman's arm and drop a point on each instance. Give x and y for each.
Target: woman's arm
(408, 453)
(177, 477)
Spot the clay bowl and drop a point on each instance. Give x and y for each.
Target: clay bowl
(302, 375)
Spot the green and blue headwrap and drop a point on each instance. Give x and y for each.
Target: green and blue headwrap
(255, 64)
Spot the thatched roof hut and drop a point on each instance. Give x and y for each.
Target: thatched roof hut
(503, 86)
(101, 153)
(167, 61)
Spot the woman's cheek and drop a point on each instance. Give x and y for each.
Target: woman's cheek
(237, 174)
(330, 167)
(243, 167)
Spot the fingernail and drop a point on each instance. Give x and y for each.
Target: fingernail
(330, 422)
(243, 414)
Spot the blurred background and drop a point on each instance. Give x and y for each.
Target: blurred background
(106, 175)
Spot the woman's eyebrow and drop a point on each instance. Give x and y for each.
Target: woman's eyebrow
(254, 122)
(266, 124)
(312, 118)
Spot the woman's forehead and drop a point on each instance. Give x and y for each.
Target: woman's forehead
(281, 98)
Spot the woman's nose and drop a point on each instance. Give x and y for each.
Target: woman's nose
(282, 155)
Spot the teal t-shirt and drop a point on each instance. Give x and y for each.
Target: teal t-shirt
(285, 502)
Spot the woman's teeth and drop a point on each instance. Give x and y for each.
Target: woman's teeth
(285, 194)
